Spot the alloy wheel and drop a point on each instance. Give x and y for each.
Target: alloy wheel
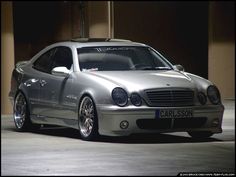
(20, 110)
(86, 117)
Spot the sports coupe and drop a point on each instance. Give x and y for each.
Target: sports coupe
(112, 87)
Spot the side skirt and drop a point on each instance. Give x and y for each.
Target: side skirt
(37, 119)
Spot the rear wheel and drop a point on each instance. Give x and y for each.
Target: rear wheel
(200, 135)
(88, 124)
(21, 114)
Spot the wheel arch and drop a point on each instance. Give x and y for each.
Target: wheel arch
(80, 100)
(82, 95)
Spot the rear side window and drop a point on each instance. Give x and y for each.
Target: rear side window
(44, 62)
(59, 56)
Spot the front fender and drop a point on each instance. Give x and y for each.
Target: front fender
(98, 89)
(200, 83)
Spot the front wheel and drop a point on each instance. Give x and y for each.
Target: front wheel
(199, 135)
(88, 123)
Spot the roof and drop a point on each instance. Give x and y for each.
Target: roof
(92, 42)
(99, 40)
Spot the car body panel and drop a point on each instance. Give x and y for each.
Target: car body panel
(55, 99)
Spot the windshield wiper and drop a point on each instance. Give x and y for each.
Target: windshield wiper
(163, 68)
(155, 68)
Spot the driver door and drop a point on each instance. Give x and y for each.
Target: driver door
(53, 88)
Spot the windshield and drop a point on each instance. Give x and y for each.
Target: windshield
(120, 59)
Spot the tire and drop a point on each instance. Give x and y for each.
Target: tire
(200, 135)
(88, 122)
(21, 114)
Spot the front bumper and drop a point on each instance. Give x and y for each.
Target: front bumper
(142, 120)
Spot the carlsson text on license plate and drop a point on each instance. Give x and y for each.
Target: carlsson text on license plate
(174, 113)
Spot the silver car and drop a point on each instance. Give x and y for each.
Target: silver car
(112, 87)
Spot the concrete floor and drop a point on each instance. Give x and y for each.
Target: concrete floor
(60, 151)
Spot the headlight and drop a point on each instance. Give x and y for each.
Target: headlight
(119, 96)
(213, 94)
(202, 98)
(135, 99)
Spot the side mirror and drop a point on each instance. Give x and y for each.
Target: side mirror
(60, 71)
(179, 67)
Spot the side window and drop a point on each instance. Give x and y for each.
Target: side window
(62, 57)
(44, 62)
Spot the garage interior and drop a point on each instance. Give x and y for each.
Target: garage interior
(198, 35)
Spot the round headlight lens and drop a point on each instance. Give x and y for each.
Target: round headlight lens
(119, 96)
(135, 99)
(202, 98)
(213, 94)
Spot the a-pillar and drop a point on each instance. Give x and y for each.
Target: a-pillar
(7, 54)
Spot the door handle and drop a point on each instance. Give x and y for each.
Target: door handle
(42, 83)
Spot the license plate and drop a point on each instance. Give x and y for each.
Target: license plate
(174, 113)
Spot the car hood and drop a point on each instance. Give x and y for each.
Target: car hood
(142, 80)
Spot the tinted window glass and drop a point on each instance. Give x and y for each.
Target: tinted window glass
(62, 57)
(120, 58)
(44, 62)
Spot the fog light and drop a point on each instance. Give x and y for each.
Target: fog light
(124, 124)
(215, 122)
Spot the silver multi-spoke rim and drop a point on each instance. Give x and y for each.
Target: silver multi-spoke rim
(20, 110)
(86, 116)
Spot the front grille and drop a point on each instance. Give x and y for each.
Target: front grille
(170, 98)
(160, 124)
